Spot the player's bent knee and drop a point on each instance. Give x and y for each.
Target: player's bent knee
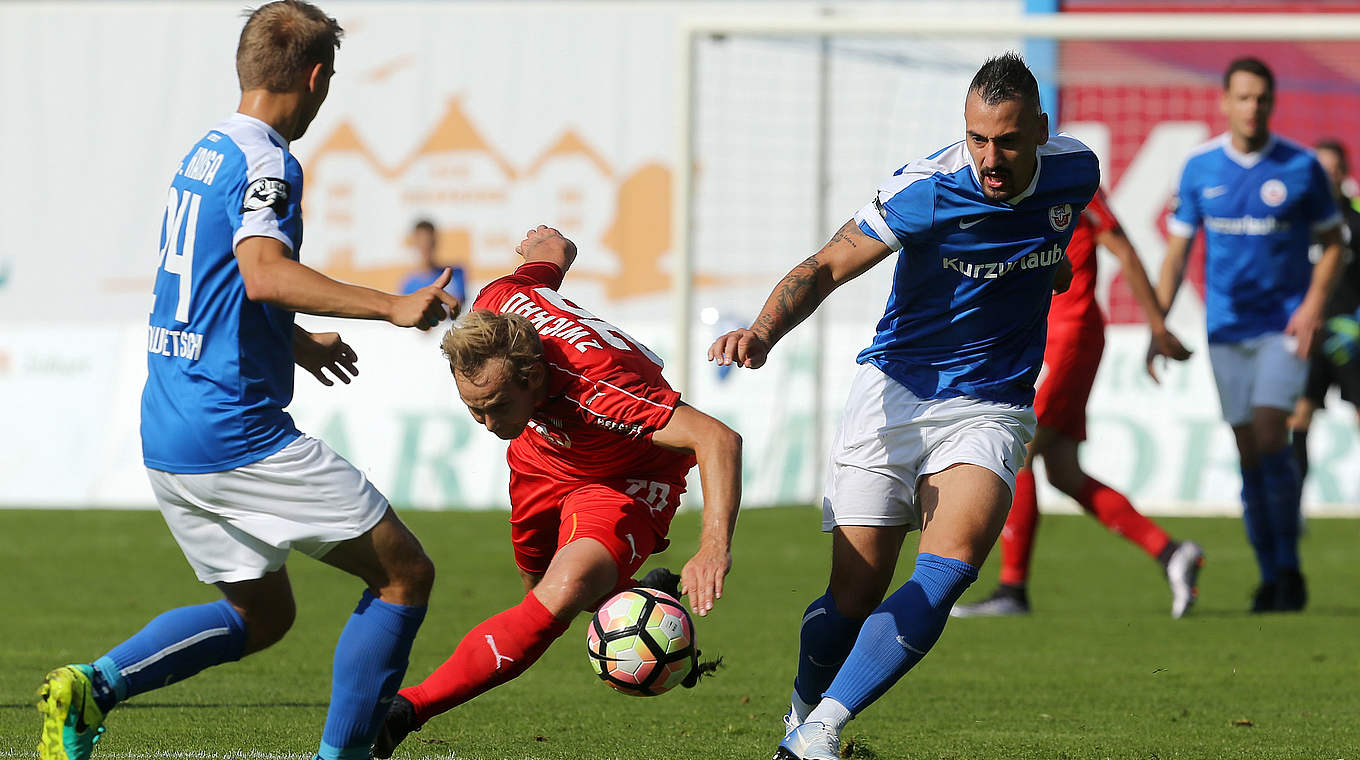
(857, 600)
(266, 625)
(414, 579)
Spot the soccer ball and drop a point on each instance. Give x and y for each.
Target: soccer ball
(641, 642)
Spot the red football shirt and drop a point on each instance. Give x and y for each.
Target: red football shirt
(1077, 307)
(606, 395)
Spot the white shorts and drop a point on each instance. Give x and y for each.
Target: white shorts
(240, 524)
(888, 439)
(1259, 372)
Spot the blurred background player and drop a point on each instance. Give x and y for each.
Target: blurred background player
(425, 238)
(1261, 199)
(600, 447)
(941, 408)
(238, 485)
(1076, 339)
(1332, 362)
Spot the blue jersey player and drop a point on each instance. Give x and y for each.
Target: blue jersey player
(941, 408)
(1261, 201)
(237, 484)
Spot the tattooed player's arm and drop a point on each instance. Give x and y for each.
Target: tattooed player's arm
(846, 256)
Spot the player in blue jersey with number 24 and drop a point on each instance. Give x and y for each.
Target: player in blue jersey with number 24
(942, 406)
(238, 485)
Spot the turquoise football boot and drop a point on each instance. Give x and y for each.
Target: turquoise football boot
(72, 722)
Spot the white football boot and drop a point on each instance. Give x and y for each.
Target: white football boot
(1182, 573)
(810, 741)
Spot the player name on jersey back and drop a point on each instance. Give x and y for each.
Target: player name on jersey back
(605, 391)
(219, 365)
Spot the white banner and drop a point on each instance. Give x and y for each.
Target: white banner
(489, 118)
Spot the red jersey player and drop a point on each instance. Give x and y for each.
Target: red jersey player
(1076, 339)
(599, 449)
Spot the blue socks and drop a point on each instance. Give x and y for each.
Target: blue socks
(899, 633)
(1281, 484)
(825, 640)
(370, 660)
(172, 647)
(1256, 518)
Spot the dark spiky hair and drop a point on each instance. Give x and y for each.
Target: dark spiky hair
(1006, 77)
(1251, 66)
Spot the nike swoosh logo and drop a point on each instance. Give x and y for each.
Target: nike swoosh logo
(965, 225)
(1215, 191)
(903, 641)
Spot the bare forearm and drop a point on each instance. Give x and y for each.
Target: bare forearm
(848, 254)
(720, 478)
(1325, 274)
(1173, 270)
(295, 287)
(1137, 278)
(792, 301)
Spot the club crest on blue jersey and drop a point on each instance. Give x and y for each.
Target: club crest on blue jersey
(1060, 217)
(1273, 192)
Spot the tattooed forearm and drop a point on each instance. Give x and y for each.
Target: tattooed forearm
(793, 300)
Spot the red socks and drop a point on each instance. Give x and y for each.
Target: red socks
(1017, 538)
(1116, 513)
(497, 650)
(1106, 504)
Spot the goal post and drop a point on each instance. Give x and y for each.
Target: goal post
(785, 128)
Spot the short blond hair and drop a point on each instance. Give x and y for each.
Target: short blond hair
(484, 335)
(281, 42)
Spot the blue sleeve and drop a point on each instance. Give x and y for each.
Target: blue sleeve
(1319, 206)
(902, 210)
(1186, 215)
(457, 285)
(411, 283)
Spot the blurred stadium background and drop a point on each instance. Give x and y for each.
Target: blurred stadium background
(596, 117)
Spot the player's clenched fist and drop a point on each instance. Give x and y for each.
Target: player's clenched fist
(741, 347)
(428, 306)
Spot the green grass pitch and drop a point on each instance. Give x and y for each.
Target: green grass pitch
(1099, 671)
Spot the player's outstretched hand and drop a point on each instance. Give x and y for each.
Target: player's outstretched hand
(1164, 343)
(428, 306)
(702, 578)
(741, 347)
(1304, 325)
(325, 351)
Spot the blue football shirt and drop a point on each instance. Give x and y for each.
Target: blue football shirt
(220, 366)
(969, 304)
(1259, 212)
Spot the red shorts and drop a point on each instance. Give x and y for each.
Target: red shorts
(630, 517)
(1071, 358)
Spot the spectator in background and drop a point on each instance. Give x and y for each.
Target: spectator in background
(426, 241)
(1332, 360)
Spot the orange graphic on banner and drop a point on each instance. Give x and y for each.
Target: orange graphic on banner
(360, 210)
